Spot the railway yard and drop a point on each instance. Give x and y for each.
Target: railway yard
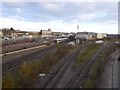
(55, 65)
(60, 44)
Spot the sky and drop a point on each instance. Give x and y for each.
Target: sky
(100, 17)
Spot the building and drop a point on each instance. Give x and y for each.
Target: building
(92, 36)
(33, 34)
(59, 34)
(81, 36)
(101, 35)
(9, 33)
(45, 33)
(85, 36)
(22, 34)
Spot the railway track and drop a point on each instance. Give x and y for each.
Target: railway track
(16, 47)
(78, 78)
(15, 63)
(51, 80)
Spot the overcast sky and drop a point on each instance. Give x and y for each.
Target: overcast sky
(100, 17)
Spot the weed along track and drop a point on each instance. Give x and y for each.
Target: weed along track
(85, 63)
(60, 69)
(63, 66)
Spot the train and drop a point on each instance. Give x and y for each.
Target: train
(60, 40)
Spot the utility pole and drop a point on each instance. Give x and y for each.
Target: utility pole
(77, 36)
(77, 28)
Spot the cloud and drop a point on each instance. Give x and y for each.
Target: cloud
(51, 6)
(61, 16)
(59, 26)
(18, 10)
(63, 11)
(16, 4)
(60, 0)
